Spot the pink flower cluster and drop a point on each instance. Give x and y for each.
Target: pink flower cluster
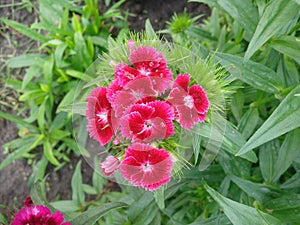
(37, 215)
(140, 107)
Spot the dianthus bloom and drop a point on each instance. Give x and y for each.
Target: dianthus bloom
(37, 215)
(147, 167)
(99, 116)
(191, 104)
(148, 121)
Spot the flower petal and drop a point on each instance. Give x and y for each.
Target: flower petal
(125, 73)
(100, 132)
(112, 91)
(200, 99)
(146, 54)
(187, 117)
(132, 93)
(182, 80)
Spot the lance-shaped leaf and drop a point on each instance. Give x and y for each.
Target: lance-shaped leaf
(91, 216)
(274, 18)
(252, 73)
(284, 119)
(244, 12)
(288, 45)
(240, 214)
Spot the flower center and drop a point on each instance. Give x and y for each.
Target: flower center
(148, 125)
(147, 167)
(144, 71)
(188, 101)
(102, 116)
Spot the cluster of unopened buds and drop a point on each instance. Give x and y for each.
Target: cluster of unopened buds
(138, 110)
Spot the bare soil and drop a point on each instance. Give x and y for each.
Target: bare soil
(14, 178)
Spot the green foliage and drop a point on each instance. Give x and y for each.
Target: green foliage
(68, 46)
(257, 43)
(253, 179)
(76, 212)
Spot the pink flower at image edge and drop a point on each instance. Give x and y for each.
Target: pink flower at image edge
(38, 215)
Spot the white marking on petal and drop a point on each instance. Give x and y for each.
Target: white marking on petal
(188, 101)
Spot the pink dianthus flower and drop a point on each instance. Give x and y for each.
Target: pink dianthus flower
(149, 62)
(148, 121)
(191, 104)
(37, 215)
(99, 116)
(147, 167)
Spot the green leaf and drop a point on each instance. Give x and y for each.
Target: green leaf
(211, 3)
(288, 45)
(260, 192)
(234, 165)
(91, 216)
(38, 170)
(284, 119)
(151, 35)
(293, 182)
(41, 115)
(268, 154)
(275, 16)
(200, 34)
(18, 120)
(243, 11)
(77, 186)
(140, 205)
(76, 147)
(252, 73)
(26, 60)
(89, 189)
(240, 214)
(76, 23)
(38, 195)
(47, 69)
(248, 122)
(286, 207)
(58, 55)
(65, 206)
(28, 143)
(232, 139)
(159, 196)
(31, 72)
(288, 152)
(60, 120)
(3, 219)
(59, 134)
(48, 151)
(196, 142)
(79, 75)
(77, 108)
(237, 104)
(97, 179)
(25, 30)
(100, 41)
(82, 54)
(220, 219)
